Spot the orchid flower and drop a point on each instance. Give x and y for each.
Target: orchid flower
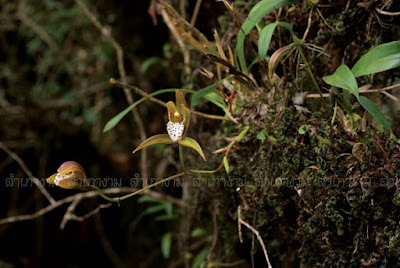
(177, 127)
(70, 175)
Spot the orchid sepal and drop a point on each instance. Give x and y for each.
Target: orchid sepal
(160, 138)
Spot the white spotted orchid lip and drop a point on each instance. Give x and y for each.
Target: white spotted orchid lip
(175, 130)
(60, 177)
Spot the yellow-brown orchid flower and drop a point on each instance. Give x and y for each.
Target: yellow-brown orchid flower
(70, 175)
(177, 127)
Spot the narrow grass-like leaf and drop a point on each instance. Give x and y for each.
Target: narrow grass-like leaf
(276, 58)
(166, 245)
(375, 112)
(115, 120)
(189, 142)
(381, 58)
(160, 138)
(266, 35)
(200, 94)
(343, 78)
(226, 164)
(256, 13)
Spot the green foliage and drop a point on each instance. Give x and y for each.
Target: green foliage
(265, 37)
(166, 242)
(381, 58)
(208, 93)
(375, 112)
(343, 78)
(257, 12)
(303, 129)
(201, 259)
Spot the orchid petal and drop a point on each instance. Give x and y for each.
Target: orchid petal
(173, 112)
(180, 100)
(161, 138)
(189, 142)
(187, 119)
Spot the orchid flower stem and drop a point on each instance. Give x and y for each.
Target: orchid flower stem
(144, 94)
(182, 160)
(118, 199)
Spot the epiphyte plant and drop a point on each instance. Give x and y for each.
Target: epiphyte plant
(177, 127)
(71, 175)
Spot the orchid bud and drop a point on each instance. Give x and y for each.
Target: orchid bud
(70, 175)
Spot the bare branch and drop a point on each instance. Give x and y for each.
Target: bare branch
(90, 194)
(35, 180)
(240, 222)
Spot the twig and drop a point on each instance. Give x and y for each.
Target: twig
(89, 194)
(35, 180)
(308, 25)
(387, 12)
(137, 91)
(69, 213)
(160, 102)
(195, 12)
(121, 69)
(363, 89)
(185, 51)
(36, 28)
(240, 222)
(215, 234)
(72, 216)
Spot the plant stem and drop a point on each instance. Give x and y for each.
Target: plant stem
(118, 199)
(144, 94)
(299, 44)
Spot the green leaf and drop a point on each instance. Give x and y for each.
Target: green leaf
(200, 94)
(375, 112)
(166, 245)
(381, 58)
(115, 120)
(201, 258)
(209, 94)
(242, 134)
(256, 13)
(216, 100)
(147, 63)
(303, 129)
(160, 138)
(226, 164)
(189, 142)
(198, 232)
(261, 135)
(266, 35)
(343, 78)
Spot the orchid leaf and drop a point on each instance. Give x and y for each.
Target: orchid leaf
(161, 138)
(343, 78)
(381, 58)
(256, 13)
(189, 142)
(376, 113)
(226, 164)
(266, 35)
